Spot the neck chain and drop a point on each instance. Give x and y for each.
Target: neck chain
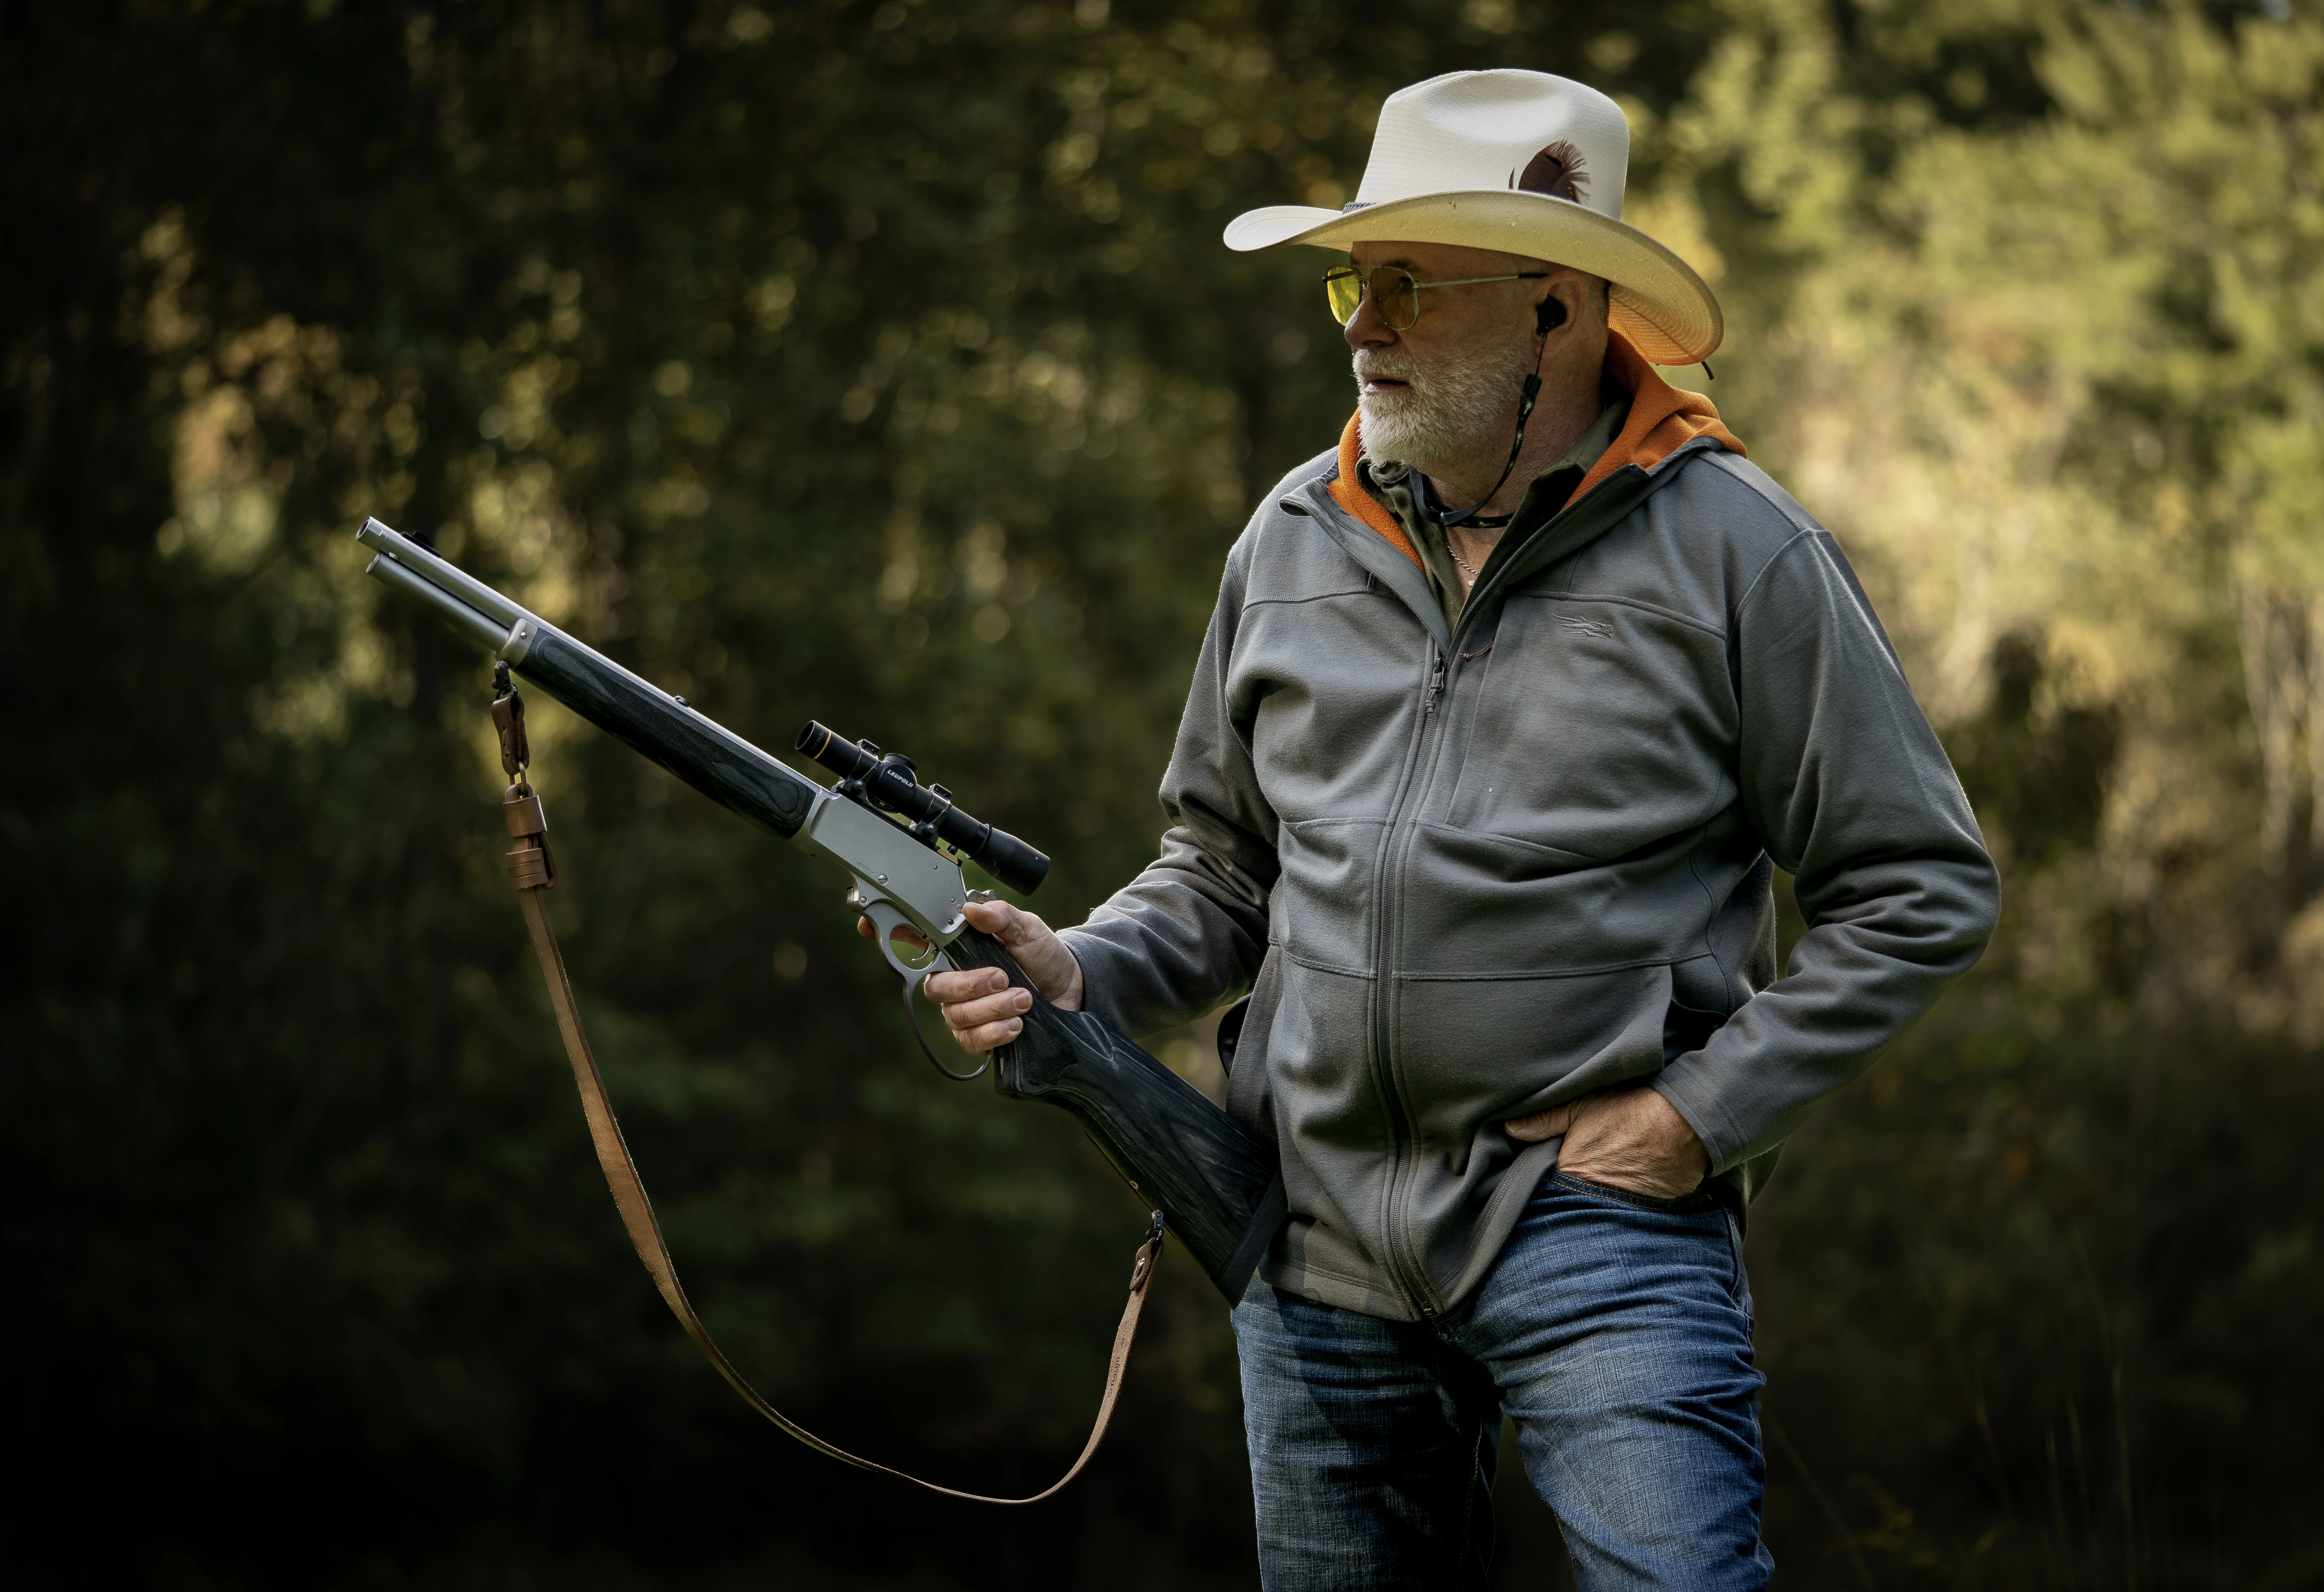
(1473, 522)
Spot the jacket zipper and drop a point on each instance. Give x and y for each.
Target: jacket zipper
(1411, 1274)
(1413, 1279)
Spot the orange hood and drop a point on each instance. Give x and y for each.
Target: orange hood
(1662, 419)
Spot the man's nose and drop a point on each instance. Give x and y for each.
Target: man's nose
(1366, 328)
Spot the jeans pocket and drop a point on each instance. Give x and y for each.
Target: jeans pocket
(1688, 1203)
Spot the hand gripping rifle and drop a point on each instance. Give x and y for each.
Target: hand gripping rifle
(902, 843)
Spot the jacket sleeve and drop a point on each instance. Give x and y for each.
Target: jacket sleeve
(1851, 792)
(1190, 931)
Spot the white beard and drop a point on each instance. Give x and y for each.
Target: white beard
(1447, 415)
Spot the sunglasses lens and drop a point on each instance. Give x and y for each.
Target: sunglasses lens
(1345, 287)
(1396, 297)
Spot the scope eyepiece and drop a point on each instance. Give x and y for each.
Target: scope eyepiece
(888, 783)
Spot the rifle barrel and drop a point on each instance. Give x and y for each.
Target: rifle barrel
(392, 575)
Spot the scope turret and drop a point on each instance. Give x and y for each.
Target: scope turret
(888, 783)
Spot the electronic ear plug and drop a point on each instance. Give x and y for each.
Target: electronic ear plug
(1549, 316)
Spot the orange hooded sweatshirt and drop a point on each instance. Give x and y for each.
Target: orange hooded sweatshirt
(1662, 419)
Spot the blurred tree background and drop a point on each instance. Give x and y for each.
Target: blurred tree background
(878, 361)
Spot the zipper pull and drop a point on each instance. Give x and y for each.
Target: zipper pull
(1435, 683)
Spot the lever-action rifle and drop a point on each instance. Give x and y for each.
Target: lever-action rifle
(1216, 1186)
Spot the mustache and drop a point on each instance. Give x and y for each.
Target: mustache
(1388, 366)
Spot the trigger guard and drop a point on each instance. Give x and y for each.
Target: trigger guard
(885, 921)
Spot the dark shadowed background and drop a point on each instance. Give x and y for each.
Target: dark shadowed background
(879, 362)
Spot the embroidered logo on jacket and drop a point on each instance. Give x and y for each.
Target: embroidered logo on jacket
(1577, 625)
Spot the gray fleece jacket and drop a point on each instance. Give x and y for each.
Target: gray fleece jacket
(1471, 873)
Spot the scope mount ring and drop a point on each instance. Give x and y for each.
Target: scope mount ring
(886, 920)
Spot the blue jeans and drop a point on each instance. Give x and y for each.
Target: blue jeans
(1614, 1329)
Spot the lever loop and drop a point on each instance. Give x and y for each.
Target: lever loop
(886, 919)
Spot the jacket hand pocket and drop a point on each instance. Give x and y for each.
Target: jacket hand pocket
(1689, 1028)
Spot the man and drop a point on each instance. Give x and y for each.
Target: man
(1509, 706)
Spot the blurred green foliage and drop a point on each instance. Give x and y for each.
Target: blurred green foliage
(880, 363)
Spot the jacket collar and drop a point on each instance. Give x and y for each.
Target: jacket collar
(1663, 419)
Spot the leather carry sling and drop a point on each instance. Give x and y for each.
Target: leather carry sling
(532, 869)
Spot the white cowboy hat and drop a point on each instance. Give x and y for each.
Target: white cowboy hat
(1519, 161)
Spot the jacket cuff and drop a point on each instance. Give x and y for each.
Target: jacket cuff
(1694, 1096)
(1104, 981)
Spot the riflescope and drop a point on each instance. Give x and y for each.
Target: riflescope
(887, 782)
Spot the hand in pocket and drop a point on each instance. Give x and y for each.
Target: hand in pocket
(1627, 1138)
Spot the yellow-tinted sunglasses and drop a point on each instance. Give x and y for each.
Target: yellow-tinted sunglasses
(1395, 292)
